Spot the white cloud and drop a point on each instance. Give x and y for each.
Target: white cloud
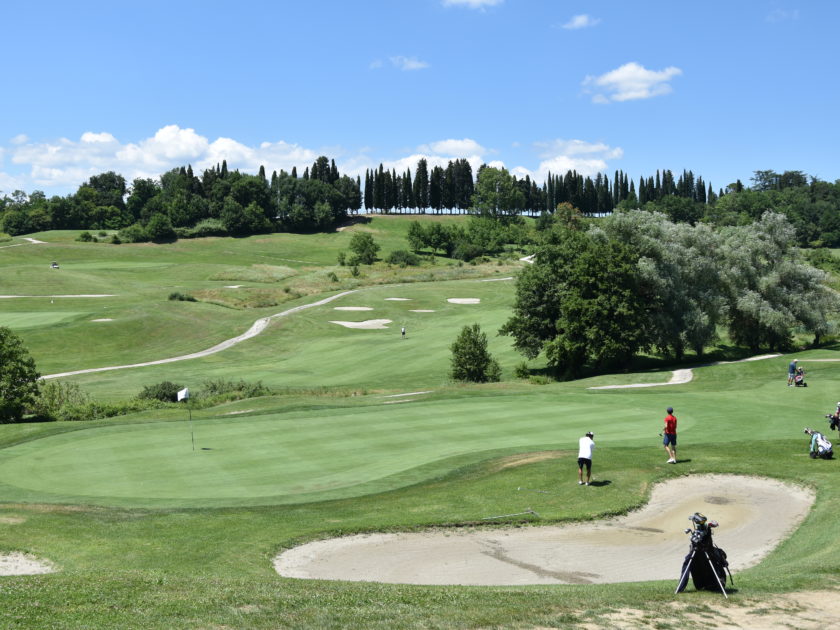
(472, 4)
(454, 148)
(581, 21)
(783, 15)
(65, 164)
(630, 82)
(60, 166)
(408, 63)
(560, 155)
(375, 64)
(21, 138)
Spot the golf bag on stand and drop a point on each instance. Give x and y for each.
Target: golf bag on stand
(705, 562)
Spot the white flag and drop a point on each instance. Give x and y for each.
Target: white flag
(184, 394)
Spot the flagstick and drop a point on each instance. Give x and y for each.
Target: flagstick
(192, 434)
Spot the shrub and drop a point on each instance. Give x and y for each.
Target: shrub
(364, 248)
(470, 359)
(354, 270)
(86, 237)
(331, 275)
(135, 233)
(165, 391)
(403, 258)
(159, 228)
(56, 398)
(115, 239)
(181, 297)
(522, 370)
(222, 389)
(342, 258)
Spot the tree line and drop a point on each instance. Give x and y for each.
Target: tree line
(219, 201)
(181, 203)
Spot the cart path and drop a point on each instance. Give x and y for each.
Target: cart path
(680, 377)
(258, 326)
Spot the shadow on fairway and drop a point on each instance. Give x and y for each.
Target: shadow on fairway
(598, 484)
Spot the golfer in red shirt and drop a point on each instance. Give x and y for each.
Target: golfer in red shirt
(669, 438)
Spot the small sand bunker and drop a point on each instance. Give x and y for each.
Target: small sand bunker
(497, 279)
(352, 308)
(755, 514)
(233, 286)
(102, 319)
(463, 300)
(370, 324)
(17, 563)
(398, 299)
(420, 310)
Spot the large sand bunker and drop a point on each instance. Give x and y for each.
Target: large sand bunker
(755, 514)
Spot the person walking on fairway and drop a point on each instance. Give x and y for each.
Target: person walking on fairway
(587, 445)
(403, 332)
(792, 372)
(669, 437)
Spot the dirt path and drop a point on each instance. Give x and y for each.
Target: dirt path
(680, 377)
(755, 514)
(258, 326)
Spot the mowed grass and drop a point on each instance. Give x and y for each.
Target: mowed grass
(148, 533)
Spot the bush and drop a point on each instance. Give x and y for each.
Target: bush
(224, 390)
(86, 237)
(115, 239)
(159, 228)
(342, 258)
(403, 258)
(522, 370)
(364, 248)
(135, 233)
(181, 297)
(165, 391)
(56, 398)
(470, 359)
(331, 275)
(354, 270)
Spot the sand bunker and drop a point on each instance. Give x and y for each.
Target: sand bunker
(17, 563)
(420, 310)
(233, 286)
(755, 514)
(370, 324)
(497, 279)
(463, 300)
(353, 308)
(103, 319)
(398, 299)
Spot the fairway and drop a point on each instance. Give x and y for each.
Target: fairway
(33, 319)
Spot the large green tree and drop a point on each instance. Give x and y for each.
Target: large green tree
(580, 303)
(496, 194)
(18, 377)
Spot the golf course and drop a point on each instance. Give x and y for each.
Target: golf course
(179, 515)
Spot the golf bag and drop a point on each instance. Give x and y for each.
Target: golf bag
(833, 421)
(799, 379)
(821, 447)
(706, 562)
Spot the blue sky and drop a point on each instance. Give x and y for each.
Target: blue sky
(721, 88)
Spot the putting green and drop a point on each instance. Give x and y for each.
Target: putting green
(35, 319)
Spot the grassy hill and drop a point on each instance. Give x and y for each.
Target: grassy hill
(149, 533)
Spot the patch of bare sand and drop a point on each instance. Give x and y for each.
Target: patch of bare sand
(103, 319)
(398, 299)
(421, 310)
(463, 300)
(649, 544)
(17, 563)
(352, 308)
(805, 610)
(369, 324)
